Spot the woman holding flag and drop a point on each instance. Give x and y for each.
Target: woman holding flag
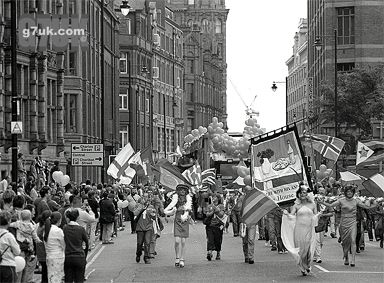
(181, 206)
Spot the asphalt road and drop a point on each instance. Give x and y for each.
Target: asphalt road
(116, 263)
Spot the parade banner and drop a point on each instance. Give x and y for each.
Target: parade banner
(278, 165)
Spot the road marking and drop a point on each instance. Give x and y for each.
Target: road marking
(358, 272)
(86, 277)
(321, 268)
(95, 257)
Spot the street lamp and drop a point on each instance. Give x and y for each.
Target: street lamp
(274, 88)
(318, 45)
(125, 8)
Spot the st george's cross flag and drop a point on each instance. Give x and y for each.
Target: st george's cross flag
(119, 168)
(363, 152)
(328, 146)
(256, 204)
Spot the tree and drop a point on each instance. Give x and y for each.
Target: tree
(360, 98)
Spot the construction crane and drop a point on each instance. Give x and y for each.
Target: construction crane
(248, 108)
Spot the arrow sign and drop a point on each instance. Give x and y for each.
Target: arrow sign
(87, 154)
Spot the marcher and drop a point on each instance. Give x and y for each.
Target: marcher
(181, 206)
(348, 226)
(107, 218)
(304, 229)
(214, 225)
(132, 198)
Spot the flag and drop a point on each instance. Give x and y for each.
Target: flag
(136, 163)
(255, 205)
(209, 176)
(119, 168)
(349, 177)
(193, 175)
(375, 185)
(146, 155)
(170, 176)
(329, 147)
(370, 152)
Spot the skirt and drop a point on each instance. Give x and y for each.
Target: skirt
(181, 229)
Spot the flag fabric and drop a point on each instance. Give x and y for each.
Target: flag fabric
(328, 146)
(136, 163)
(255, 205)
(370, 152)
(119, 168)
(169, 175)
(349, 176)
(146, 155)
(375, 185)
(209, 176)
(193, 175)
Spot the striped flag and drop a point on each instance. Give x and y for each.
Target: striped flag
(209, 176)
(193, 175)
(329, 147)
(255, 205)
(375, 185)
(170, 176)
(119, 168)
(370, 152)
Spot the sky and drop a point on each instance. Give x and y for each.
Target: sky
(259, 42)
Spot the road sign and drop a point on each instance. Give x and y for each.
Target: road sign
(87, 154)
(16, 127)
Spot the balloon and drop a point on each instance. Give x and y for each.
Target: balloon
(64, 180)
(323, 167)
(241, 171)
(56, 176)
(247, 180)
(20, 262)
(195, 132)
(214, 120)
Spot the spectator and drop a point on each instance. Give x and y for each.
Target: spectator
(9, 249)
(75, 256)
(41, 203)
(107, 218)
(21, 172)
(54, 247)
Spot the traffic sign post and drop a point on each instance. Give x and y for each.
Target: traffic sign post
(87, 154)
(16, 127)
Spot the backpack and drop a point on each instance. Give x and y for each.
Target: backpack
(1, 254)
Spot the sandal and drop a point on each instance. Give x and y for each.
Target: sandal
(177, 262)
(181, 264)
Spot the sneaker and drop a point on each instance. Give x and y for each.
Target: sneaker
(209, 256)
(285, 251)
(137, 259)
(251, 261)
(319, 260)
(266, 244)
(246, 260)
(280, 252)
(218, 257)
(147, 261)
(273, 249)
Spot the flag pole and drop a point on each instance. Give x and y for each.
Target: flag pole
(313, 157)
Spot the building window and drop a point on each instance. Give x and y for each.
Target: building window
(205, 26)
(218, 26)
(147, 105)
(189, 92)
(70, 113)
(123, 63)
(345, 67)
(123, 101)
(72, 63)
(123, 135)
(345, 25)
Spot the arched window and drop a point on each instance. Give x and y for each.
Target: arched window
(218, 26)
(205, 26)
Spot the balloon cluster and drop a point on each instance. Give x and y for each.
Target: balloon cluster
(195, 135)
(60, 178)
(323, 172)
(233, 147)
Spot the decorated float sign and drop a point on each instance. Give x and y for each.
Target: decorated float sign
(278, 165)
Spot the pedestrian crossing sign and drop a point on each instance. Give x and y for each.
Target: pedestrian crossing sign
(17, 127)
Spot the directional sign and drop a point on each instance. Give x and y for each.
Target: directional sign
(87, 154)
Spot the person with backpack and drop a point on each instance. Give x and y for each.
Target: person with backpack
(9, 248)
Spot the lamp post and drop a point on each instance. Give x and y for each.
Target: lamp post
(14, 101)
(318, 45)
(274, 88)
